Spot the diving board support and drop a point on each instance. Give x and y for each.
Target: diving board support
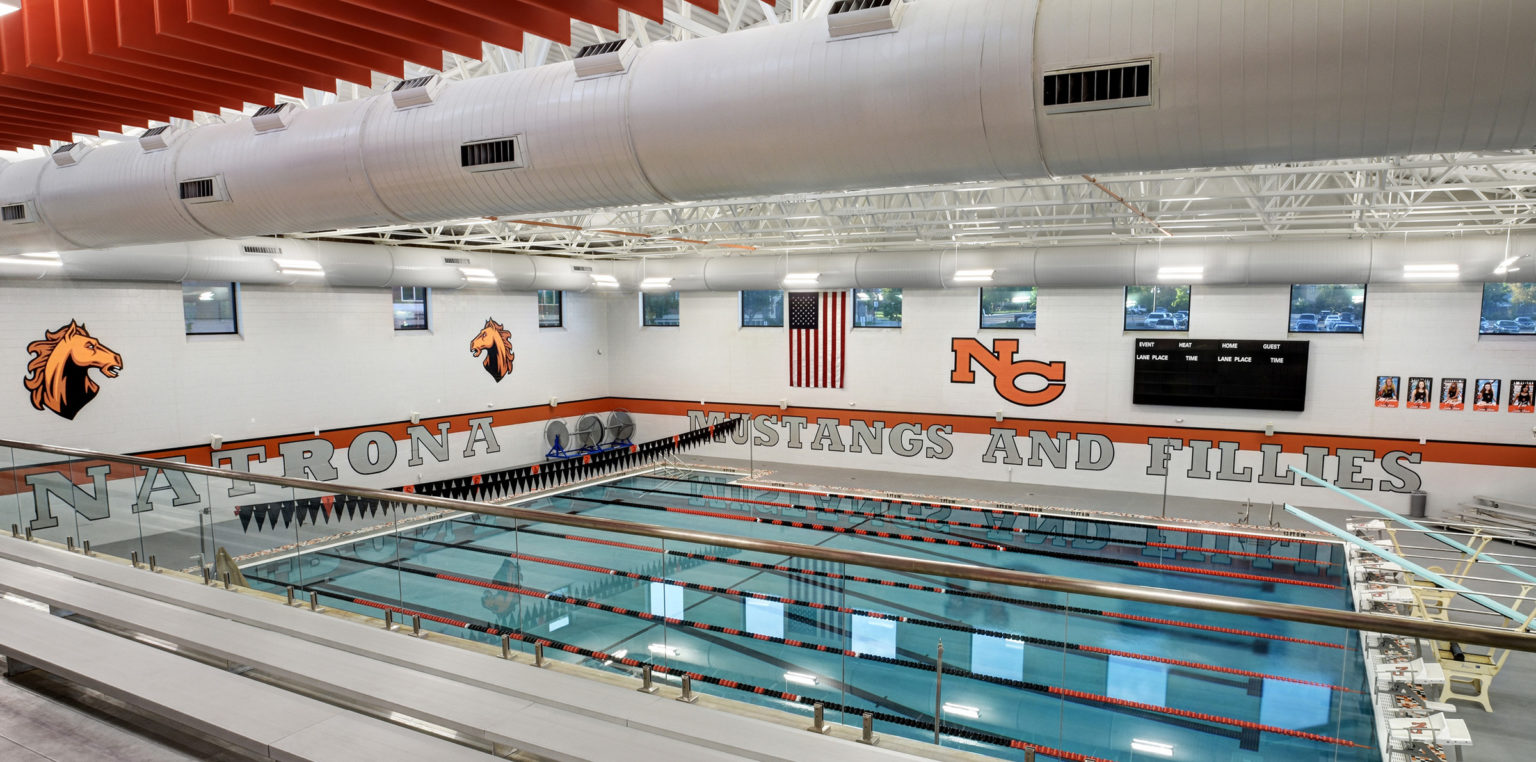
(1482, 600)
(1411, 524)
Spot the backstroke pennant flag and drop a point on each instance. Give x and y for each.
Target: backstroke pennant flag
(818, 326)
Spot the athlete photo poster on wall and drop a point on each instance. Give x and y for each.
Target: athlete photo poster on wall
(1386, 391)
(1453, 393)
(1521, 394)
(1421, 389)
(1485, 395)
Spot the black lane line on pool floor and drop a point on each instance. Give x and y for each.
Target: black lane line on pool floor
(1167, 715)
(950, 541)
(948, 728)
(1260, 647)
(927, 522)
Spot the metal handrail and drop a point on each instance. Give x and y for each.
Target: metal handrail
(1470, 634)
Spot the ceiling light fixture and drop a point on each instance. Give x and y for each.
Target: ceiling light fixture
(657, 282)
(973, 276)
(801, 280)
(1192, 272)
(1431, 271)
(604, 281)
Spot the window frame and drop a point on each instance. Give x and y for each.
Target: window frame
(1125, 315)
(234, 307)
(1365, 300)
(981, 308)
(538, 298)
(854, 323)
(645, 323)
(741, 307)
(396, 296)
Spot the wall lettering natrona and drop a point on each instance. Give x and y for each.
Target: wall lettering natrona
(370, 452)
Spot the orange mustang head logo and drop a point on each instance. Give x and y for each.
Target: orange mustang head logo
(496, 343)
(59, 376)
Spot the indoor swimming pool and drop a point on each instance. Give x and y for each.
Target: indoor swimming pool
(1071, 676)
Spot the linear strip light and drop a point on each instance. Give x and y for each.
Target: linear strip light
(1431, 271)
(801, 280)
(478, 275)
(298, 266)
(656, 283)
(973, 276)
(1195, 272)
(604, 281)
(31, 262)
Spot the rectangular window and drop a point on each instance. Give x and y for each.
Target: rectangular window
(411, 308)
(1157, 308)
(1008, 308)
(1508, 308)
(762, 308)
(551, 308)
(209, 308)
(877, 308)
(659, 309)
(1328, 308)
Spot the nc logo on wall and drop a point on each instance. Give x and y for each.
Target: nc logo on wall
(59, 376)
(496, 343)
(1007, 372)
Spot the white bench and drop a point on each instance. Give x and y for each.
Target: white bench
(563, 716)
(259, 718)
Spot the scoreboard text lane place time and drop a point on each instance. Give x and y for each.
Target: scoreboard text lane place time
(1256, 375)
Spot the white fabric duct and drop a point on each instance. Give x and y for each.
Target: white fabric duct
(953, 95)
(264, 260)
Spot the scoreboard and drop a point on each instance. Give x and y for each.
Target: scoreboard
(1256, 375)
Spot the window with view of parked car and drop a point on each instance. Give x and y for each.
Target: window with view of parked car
(1157, 308)
(1508, 308)
(1008, 307)
(1327, 308)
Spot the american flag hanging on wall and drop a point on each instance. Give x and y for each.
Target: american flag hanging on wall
(818, 324)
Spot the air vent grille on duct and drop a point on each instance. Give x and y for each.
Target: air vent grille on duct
(421, 91)
(604, 58)
(455, 260)
(69, 154)
(859, 18)
(158, 138)
(272, 251)
(488, 155)
(1120, 85)
(582, 268)
(203, 190)
(273, 118)
(16, 213)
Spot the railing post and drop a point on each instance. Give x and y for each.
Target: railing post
(314, 601)
(687, 697)
(389, 619)
(416, 625)
(868, 735)
(207, 576)
(69, 543)
(15, 531)
(538, 654)
(225, 576)
(506, 646)
(153, 566)
(85, 547)
(819, 719)
(646, 680)
(290, 595)
(133, 558)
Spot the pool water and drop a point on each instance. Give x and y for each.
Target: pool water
(1072, 676)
